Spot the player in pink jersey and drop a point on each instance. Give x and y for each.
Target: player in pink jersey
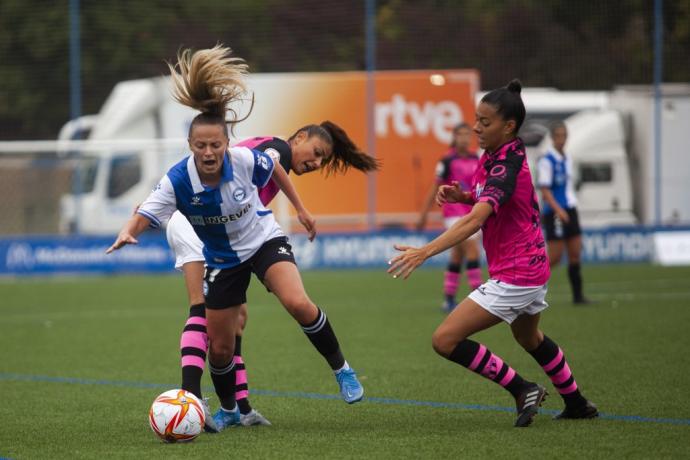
(457, 166)
(325, 146)
(505, 207)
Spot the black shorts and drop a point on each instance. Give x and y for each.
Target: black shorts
(227, 287)
(555, 229)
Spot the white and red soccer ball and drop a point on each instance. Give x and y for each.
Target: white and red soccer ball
(177, 416)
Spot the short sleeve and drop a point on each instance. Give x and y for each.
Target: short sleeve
(263, 168)
(160, 204)
(544, 172)
(442, 170)
(501, 180)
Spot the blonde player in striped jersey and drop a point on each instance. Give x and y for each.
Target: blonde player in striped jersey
(311, 148)
(216, 189)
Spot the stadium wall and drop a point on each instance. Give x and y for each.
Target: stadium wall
(52, 255)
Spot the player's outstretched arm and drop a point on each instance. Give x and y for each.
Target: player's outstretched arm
(285, 184)
(404, 264)
(134, 226)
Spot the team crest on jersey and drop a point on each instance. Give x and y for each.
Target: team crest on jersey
(273, 153)
(196, 201)
(238, 194)
(478, 190)
(263, 162)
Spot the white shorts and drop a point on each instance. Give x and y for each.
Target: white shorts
(448, 222)
(508, 301)
(182, 239)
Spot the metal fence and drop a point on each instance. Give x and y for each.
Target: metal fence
(63, 61)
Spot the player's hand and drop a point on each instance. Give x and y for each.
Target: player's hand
(563, 215)
(449, 193)
(308, 222)
(404, 264)
(122, 239)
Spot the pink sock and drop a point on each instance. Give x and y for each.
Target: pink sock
(241, 388)
(474, 277)
(193, 349)
(450, 283)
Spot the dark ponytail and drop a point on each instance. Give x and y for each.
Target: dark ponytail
(346, 154)
(514, 86)
(508, 102)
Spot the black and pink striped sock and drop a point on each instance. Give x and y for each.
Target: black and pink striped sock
(193, 348)
(476, 357)
(551, 358)
(451, 280)
(474, 274)
(241, 383)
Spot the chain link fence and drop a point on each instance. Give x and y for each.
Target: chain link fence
(560, 44)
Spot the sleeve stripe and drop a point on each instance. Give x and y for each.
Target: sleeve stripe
(154, 221)
(489, 199)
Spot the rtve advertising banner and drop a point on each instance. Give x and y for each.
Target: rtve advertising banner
(412, 119)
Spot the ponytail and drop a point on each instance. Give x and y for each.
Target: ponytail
(346, 154)
(209, 80)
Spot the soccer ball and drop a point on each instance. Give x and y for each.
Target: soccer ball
(176, 415)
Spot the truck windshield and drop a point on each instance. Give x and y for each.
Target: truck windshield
(125, 172)
(536, 126)
(84, 174)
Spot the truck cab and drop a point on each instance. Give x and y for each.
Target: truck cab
(597, 145)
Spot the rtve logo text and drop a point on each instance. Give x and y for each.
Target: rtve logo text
(408, 118)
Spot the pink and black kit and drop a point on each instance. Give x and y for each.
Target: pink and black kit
(454, 167)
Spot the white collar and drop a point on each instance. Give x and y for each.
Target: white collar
(557, 154)
(197, 186)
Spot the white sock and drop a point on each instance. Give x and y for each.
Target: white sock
(345, 367)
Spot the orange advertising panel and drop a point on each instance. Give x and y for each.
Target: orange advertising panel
(408, 127)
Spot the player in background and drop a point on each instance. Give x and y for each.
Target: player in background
(505, 207)
(314, 147)
(216, 189)
(559, 214)
(457, 166)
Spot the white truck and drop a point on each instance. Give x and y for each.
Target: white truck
(613, 149)
(610, 140)
(140, 132)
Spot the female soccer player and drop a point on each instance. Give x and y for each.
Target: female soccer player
(458, 165)
(216, 189)
(309, 149)
(560, 219)
(505, 208)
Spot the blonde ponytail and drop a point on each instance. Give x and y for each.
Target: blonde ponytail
(209, 80)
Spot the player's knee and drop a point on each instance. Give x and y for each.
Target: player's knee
(242, 318)
(300, 307)
(443, 343)
(221, 352)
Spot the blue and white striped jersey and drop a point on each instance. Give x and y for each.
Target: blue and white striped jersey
(555, 172)
(230, 219)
